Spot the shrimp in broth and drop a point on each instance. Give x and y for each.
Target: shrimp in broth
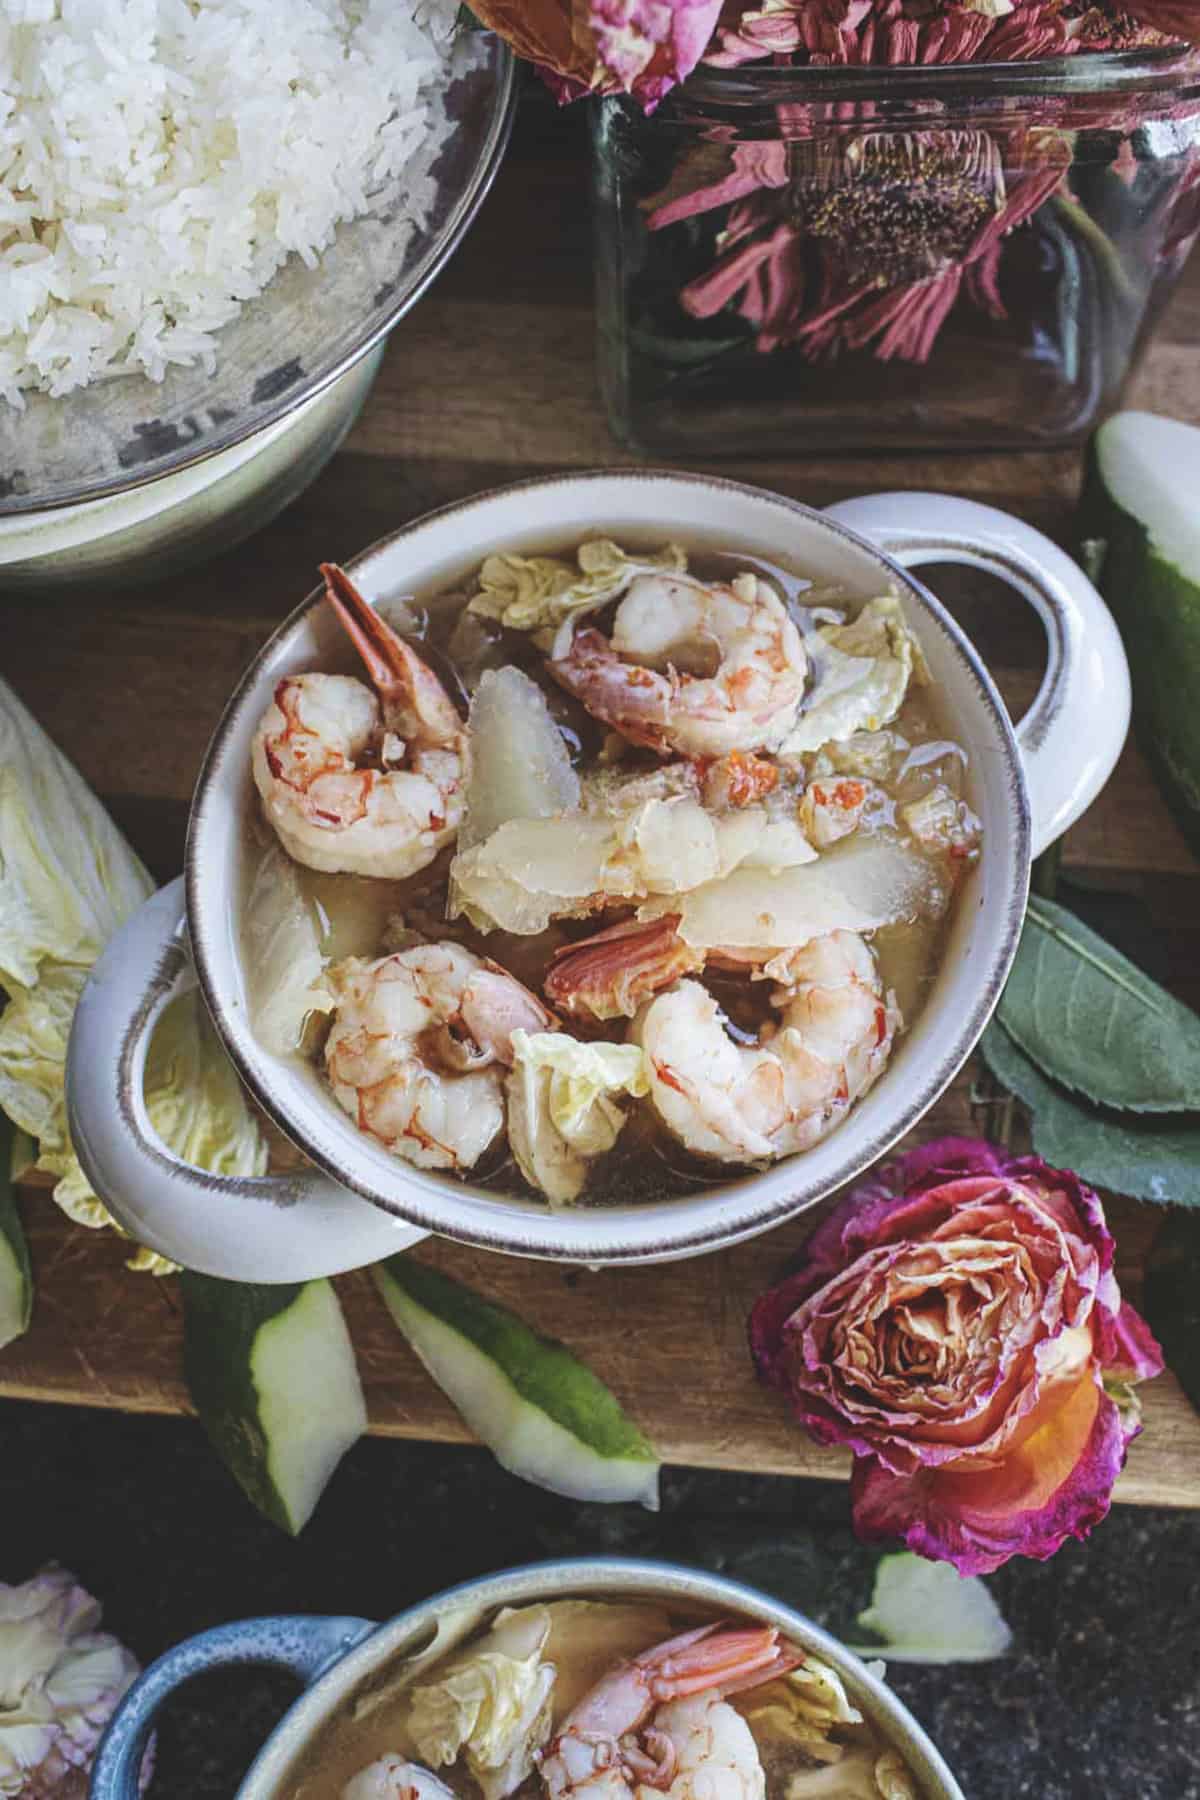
(581, 1699)
(696, 808)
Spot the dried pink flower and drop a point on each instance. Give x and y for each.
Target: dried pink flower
(957, 1323)
(60, 1680)
(897, 225)
(942, 31)
(639, 47)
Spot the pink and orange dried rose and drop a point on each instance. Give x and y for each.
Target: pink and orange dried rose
(957, 1323)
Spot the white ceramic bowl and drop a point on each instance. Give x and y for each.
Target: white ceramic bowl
(334, 1657)
(1026, 788)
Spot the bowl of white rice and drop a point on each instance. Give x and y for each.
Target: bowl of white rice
(212, 212)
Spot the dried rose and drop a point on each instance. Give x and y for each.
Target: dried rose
(957, 1323)
(60, 1680)
(639, 47)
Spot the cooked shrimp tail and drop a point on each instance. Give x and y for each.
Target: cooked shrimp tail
(786, 1658)
(412, 695)
(728, 1657)
(361, 780)
(610, 975)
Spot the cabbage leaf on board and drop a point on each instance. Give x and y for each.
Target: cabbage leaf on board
(68, 880)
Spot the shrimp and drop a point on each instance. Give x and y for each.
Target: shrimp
(391, 1778)
(716, 1756)
(610, 974)
(736, 780)
(658, 1721)
(357, 782)
(419, 1047)
(654, 680)
(831, 810)
(756, 1102)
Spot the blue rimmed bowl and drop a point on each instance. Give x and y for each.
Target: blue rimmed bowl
(335, 1657)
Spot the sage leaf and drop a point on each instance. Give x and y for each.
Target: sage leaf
(1147, 1159)
(1171, 1299)
(1094, 1022)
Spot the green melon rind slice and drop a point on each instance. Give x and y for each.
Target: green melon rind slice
(16, 1273)
(541, 1411)
(1141, 531)
(272, 1374)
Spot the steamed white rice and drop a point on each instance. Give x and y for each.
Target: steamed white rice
(160, 160)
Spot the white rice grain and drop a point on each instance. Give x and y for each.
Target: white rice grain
(161, 159)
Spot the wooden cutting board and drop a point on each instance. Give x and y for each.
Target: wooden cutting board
(492, 379)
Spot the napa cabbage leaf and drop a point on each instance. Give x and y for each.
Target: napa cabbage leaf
(68, 881)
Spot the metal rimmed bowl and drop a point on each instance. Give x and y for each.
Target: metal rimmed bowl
(152, 473)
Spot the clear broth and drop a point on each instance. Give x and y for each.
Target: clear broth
(354, 912)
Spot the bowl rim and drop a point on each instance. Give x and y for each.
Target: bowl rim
(656, 1231)
(606, 1577)
(189, 456)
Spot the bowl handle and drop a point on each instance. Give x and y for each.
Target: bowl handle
(266, 1228)
(305, 1645)
(1073, 733)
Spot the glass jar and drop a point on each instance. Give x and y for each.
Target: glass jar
(965, 256)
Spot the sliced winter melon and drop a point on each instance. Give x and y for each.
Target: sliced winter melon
(541, 1412)
(16, 1275)
(925, 1612)
(272, 1374)
(1141, 532)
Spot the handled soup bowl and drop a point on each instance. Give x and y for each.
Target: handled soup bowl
(337, 1657)
(359, 1203)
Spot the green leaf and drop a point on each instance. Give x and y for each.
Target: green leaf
(925, 1612)
(1091, 1020)
(1148, 1159)
(1171, 1299)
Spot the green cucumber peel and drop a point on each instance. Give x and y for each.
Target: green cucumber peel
(1140, 527)
(272, 1375)
(544, 1415)
(16, 1271)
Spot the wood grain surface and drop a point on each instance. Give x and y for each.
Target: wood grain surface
(489, 380)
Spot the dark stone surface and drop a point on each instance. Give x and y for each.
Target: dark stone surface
(1100, 1698)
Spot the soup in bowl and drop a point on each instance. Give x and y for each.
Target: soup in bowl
(603, 869)
(565, 1681)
